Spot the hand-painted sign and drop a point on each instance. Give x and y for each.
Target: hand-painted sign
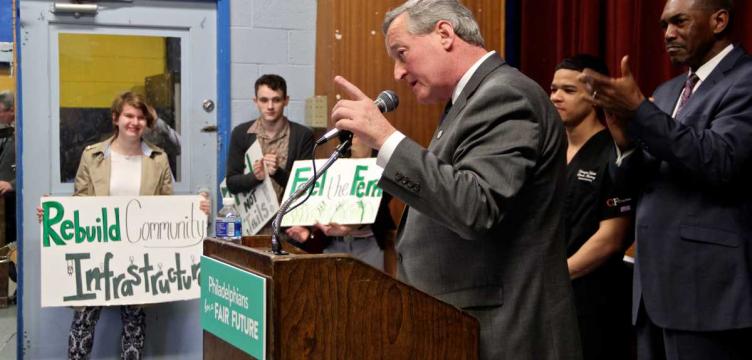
(346, 194)
(259, 205)
(118, 250)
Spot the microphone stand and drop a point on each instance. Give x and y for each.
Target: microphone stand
(338, 152)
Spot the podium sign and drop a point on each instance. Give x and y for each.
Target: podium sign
(233, 306)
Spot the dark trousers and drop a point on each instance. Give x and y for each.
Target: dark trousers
(606, 337)
(656, 343)
(604, 306)
(81, 336)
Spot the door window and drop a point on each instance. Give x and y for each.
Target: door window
(94, 69)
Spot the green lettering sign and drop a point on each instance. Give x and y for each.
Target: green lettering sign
(47, 222)
(101, 231)
(234, 313)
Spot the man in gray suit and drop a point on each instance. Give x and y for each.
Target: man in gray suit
(483, 228)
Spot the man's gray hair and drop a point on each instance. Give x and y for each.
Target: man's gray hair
(7, 99)
(423, 15)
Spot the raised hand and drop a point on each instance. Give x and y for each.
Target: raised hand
(359, 115)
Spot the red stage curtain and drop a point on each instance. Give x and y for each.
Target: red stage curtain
(551, 30)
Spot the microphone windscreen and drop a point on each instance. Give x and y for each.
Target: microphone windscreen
(387, 101)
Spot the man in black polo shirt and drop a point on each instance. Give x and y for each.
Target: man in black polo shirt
(597, 217)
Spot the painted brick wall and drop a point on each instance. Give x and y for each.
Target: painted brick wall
(272, 36)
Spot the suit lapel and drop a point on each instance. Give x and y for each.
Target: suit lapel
(716, 76)
(668, 103)
(494, 61)
(485, 68)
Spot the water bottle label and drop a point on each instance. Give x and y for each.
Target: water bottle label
(220, 229)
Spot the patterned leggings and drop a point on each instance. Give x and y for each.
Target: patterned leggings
(81, 336)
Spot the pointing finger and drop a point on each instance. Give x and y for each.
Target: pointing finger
(350, 90)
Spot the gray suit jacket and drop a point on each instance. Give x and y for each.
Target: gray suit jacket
(694, 215)
(483, 229)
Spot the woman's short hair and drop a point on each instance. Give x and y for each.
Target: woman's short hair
(137, 101)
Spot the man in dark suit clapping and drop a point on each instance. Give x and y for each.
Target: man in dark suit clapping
(689, 152)
(483, 228)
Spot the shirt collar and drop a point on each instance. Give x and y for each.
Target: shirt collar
(258, 129)
(107, 151)
(704, 71)
(468, 74)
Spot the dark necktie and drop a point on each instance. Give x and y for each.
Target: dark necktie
(447, 108)
(687, 92)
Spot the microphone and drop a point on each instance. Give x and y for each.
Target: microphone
(386, 101)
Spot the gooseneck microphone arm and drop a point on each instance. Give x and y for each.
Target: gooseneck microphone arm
(276, 235)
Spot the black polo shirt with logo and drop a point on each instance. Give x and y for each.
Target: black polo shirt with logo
(591, 198)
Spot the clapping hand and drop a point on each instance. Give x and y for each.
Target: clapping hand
(271, 163)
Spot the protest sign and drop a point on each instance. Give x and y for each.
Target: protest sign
(118, 250)
(346, 194)
(259, 205)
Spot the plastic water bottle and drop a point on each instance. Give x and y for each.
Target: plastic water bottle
(228, 223)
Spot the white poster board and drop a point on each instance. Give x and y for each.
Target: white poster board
(346, 194)
(119, 250)
(259, 205)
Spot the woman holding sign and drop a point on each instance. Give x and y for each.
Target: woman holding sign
(123, 165)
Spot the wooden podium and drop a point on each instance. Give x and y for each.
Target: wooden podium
(332, 306)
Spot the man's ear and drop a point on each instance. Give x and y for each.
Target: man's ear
(719, 21)
(446, 32)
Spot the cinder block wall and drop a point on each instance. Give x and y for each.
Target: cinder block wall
(272, 36)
